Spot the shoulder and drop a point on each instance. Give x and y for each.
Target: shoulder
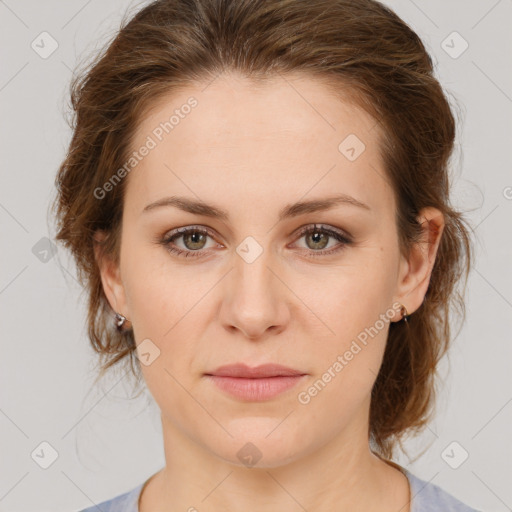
(428, 497)
(126, 502)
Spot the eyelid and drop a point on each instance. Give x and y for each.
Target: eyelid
(343, 238)
(322, 227)
(305, 228)
(178, 232)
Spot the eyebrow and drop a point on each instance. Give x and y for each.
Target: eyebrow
(199, 207)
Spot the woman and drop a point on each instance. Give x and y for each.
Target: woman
(257, 197)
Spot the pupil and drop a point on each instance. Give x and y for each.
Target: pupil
(319, 238)
(194, 240)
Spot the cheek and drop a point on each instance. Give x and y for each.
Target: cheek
(355, 311)
(354, 296)
(163, 311)
(347, 362)
(169, 305)
(159, 293)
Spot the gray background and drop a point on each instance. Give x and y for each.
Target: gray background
(107, 444)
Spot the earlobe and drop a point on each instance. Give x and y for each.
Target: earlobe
(110, 276)
(415, 277)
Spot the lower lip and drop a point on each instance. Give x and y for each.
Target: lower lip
(255, 390)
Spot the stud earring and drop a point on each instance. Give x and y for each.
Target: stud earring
(403, 312)
(120, 320)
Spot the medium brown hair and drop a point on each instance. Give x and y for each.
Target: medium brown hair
(363, 51)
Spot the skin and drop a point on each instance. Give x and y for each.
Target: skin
(251, 151)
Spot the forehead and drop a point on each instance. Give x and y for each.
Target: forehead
(257, 142)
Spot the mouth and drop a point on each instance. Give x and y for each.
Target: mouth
(255, 384)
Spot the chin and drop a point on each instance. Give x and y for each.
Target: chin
(259, 443)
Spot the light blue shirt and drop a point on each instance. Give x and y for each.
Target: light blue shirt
(425, 497)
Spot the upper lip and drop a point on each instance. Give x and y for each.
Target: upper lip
(257, 372)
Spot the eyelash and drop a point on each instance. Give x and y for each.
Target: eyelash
(340, 237)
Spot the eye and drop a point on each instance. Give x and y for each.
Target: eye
(317, 238)
(193, 239)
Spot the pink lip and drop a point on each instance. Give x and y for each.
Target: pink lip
(255, 384)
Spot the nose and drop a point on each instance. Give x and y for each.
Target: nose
(255, 298)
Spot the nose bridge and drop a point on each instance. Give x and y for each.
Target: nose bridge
(252, 276)
(253, 303)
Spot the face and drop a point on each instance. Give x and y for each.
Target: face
(269, 274)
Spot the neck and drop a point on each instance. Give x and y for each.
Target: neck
(343, 474)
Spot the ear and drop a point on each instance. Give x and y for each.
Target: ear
(415, 271)
(110, 276)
